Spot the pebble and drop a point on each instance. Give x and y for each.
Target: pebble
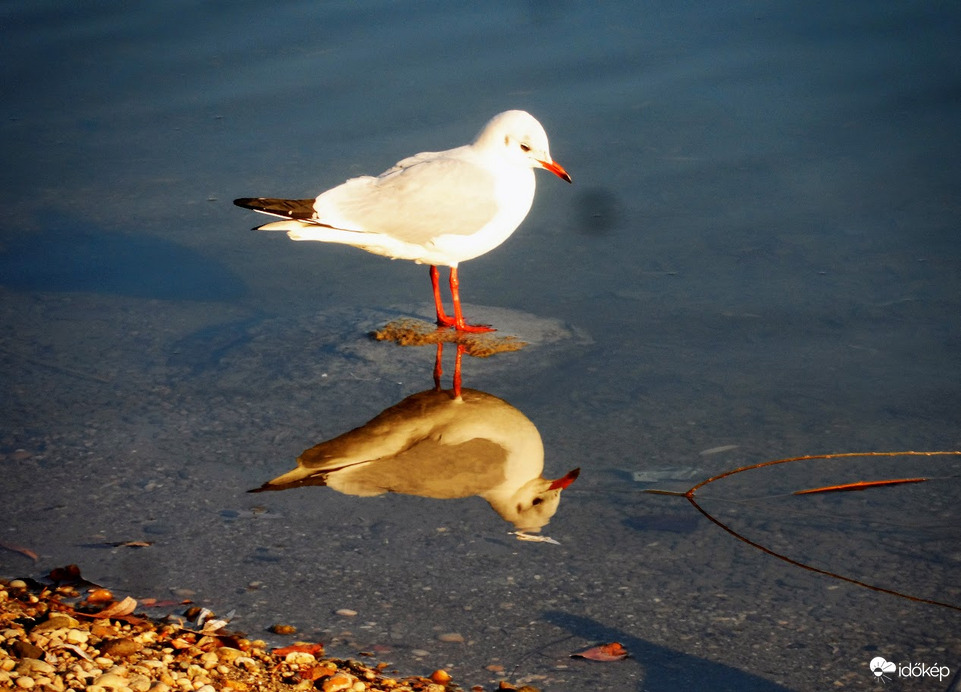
(441, 677)
(346, 612)
(301, 658)
(245, 662)
(99, 596)
(338, 682)
(77, 636)
(451, 637)
(228, 654)
(138, 683)
(56, 622)
(283, 629)
(110, 681)
(29, 666)
(120, 647)
(26, 649)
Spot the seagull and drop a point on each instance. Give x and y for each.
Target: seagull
(438, 208)
(442, 444)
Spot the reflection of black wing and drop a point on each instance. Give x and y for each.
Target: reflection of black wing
(286, 208)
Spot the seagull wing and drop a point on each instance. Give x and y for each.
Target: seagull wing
(404, 202)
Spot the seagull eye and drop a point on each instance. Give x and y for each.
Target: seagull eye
(537, 500)
(525, 147)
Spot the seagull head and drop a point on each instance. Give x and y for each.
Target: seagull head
(531, 507)
(516, 136)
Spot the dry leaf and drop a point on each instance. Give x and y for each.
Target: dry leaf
(313, 649)
(316, 672)
(118, 609)
(213, 626)
(76, 649)
(604, 652)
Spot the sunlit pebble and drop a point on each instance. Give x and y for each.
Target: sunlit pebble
(99, 596)
(301, 658)
(283, 629)
(120, 647)
(441, 677)
(346, 612)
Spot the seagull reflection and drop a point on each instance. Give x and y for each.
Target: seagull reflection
(443, 444)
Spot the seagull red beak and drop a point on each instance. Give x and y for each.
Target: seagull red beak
(565, 481)
(555, 168)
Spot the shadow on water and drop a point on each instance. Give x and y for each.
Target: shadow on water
(665, 669)
(70, 256)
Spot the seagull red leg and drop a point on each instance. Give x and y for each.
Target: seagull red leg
(459, 323)
(438, 365)
(457, 377)
(442, 319)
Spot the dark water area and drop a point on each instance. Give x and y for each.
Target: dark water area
(67, 257)
(759, 259)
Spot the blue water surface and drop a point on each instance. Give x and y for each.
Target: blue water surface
(759, 259)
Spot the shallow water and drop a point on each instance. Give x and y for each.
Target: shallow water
(759, 259)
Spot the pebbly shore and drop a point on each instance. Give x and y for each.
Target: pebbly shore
(62, 636)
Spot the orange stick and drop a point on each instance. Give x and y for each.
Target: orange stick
(859, 485)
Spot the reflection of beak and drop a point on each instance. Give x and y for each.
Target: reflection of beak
(555, 168)
(565, 481)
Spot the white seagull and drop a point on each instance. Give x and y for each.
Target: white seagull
(436, 208)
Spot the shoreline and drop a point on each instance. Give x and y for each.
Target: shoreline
(74, 635)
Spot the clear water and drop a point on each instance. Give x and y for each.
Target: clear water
(759, 259)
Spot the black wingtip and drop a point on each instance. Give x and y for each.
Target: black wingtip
(275, 206)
